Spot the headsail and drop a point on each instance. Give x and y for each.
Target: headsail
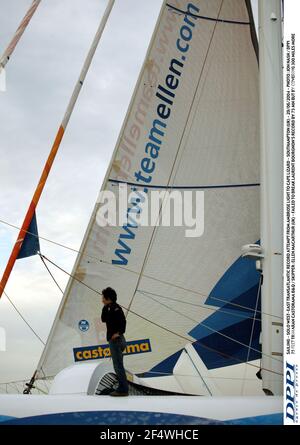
(193, 118)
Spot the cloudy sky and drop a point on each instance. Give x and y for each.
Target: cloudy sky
(40, 78)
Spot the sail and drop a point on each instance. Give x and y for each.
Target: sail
(27, 244)
(193, 118)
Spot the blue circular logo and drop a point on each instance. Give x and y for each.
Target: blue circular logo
(84, 325)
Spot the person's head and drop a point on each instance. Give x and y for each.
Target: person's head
(109, 296)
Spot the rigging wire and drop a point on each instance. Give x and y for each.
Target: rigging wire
(212, 19)
(182, 315)
(214, 330)
(15, 385)
(148, 372)
(46, 239)
(146, 257)
(25, 321)
(203, 306)
(253, 321)
(43, 258)
(159, 326)
(198, 293)
(50, 273)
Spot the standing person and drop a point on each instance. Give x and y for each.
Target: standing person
(113, 316)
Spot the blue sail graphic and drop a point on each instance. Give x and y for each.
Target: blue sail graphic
(31, 243)
(231, 334)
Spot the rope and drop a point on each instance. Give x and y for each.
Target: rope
(198, 293)
(156, 324)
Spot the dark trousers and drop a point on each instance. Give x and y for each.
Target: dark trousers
(117, 347)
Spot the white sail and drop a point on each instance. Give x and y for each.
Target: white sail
(194, 119)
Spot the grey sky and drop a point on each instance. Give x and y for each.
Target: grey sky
(40, 78)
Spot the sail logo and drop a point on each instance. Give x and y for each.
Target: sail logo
(291, 393)
(163, 82)
(103, 351)
(84, 325)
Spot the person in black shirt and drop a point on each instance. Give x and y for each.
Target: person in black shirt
(113, 316)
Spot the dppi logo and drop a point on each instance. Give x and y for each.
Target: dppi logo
(290, 393)
(83, 325)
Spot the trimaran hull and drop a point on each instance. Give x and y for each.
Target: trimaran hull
(139, 410)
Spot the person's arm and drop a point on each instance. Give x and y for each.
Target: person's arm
(119, 322)
(122, 322)
(104, 314)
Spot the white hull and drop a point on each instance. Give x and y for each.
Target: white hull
(106, 410)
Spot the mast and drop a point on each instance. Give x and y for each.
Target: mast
(17, 36)
(271, 140)
(41, 184)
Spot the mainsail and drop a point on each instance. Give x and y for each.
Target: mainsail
(192, 124)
